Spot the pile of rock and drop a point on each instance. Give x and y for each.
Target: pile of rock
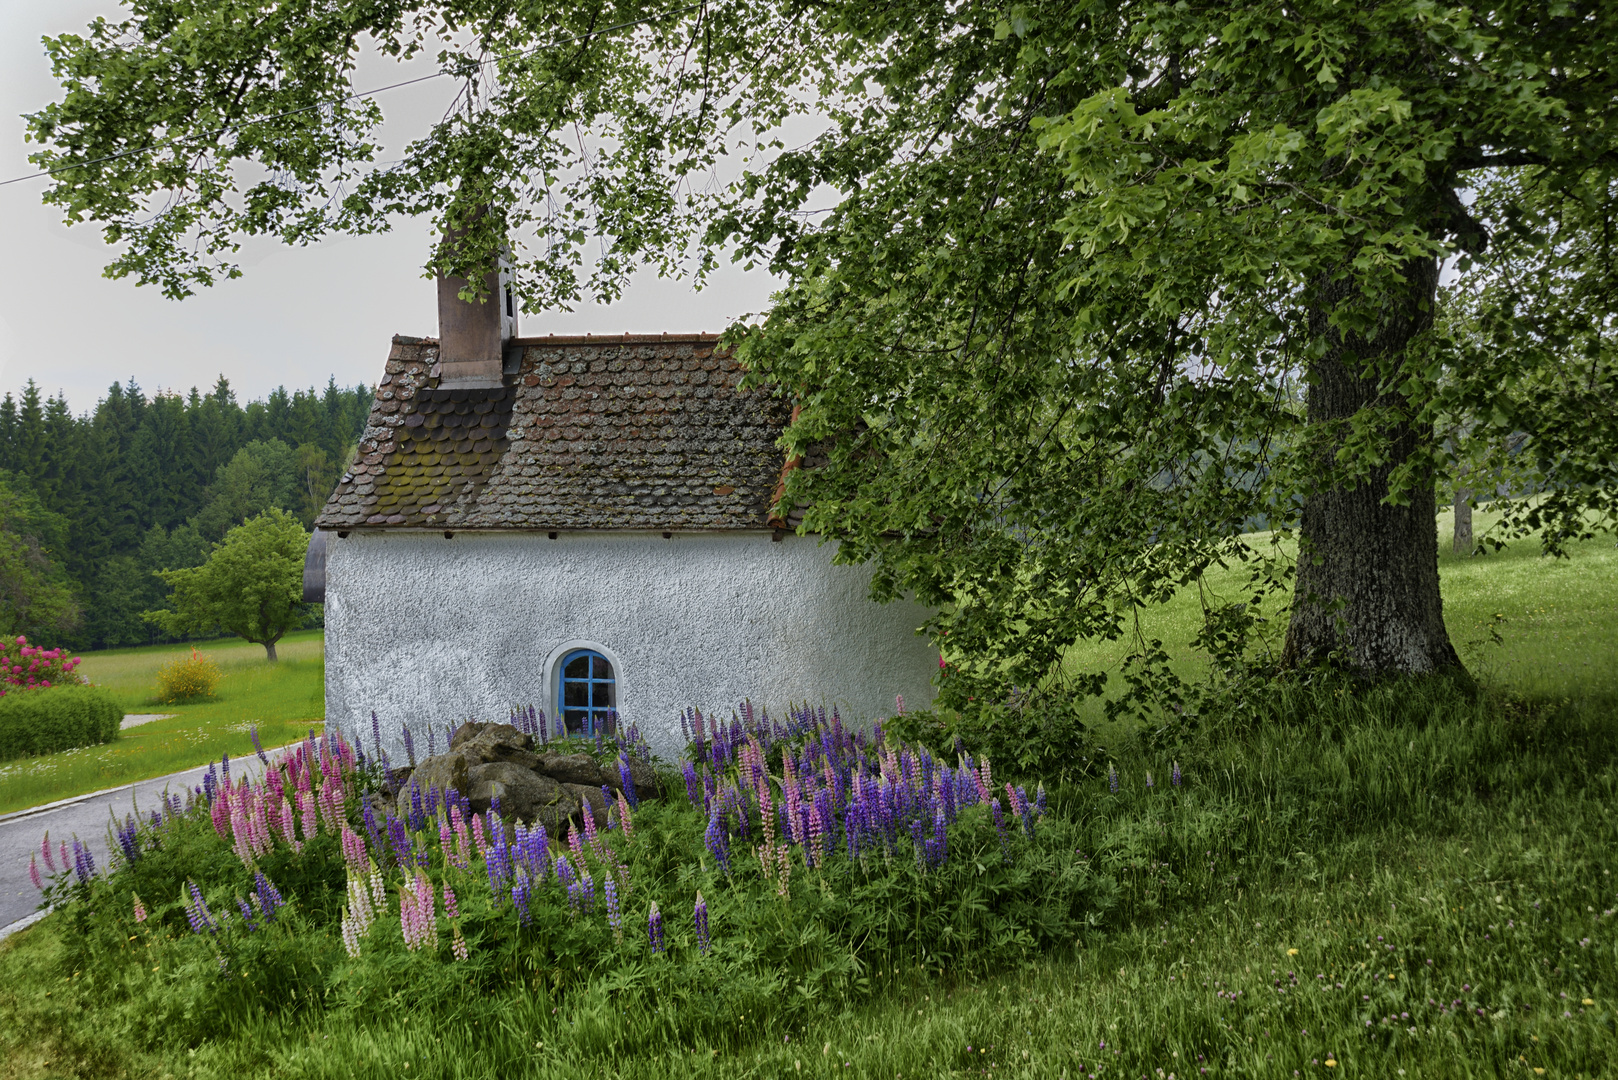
(549, 788)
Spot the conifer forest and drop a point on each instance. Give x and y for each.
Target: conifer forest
(92, 504)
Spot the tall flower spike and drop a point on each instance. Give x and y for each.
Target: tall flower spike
(654, 928)
(700, 915)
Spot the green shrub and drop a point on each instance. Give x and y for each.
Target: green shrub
(64, 717)
(187, 678)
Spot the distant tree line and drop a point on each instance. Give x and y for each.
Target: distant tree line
(91, 506)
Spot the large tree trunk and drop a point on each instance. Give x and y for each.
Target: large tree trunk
(269, 651)
(1463, 521)
(1367, 588)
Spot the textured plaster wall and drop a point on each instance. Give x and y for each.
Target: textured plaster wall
(428, 630)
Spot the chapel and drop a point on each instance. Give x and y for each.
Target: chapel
(583, 525)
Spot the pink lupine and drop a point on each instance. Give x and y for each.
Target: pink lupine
(789, 785)
(308, 821)
(33, 874)
(140, 909)
(623, 817)
(45, 849)
(478, 837)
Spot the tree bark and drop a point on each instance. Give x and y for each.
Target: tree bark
(1367, 597)
(1463, 521)
(269, 651)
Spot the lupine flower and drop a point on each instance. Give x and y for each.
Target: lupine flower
(701, 916)
(196, 910)
(627, 780)
(258, 746)
(899, 703)
(718, 838)
(140, 908)
(654, 928)
(268, 895)
(1112, 779)
(451, 910)
(575, 843)
(45, 849)
(410, 746)
(614, 916)
(84, 863)
(1149, 779)
(520, 892)
(1039, 800)
(1175, 776)
(457, 943)
(33, 873)
(587, 890)
(247, 914)
(624, 818)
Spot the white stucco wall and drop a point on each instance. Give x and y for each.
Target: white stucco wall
(426, 629)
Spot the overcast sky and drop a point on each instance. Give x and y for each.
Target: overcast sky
(295, 317)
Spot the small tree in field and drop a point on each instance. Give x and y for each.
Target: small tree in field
(252, 584)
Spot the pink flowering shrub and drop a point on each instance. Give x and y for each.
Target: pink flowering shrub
(30, 667)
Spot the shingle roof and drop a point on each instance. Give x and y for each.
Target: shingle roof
(641, 432)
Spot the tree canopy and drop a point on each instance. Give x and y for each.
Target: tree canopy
(1075, 292)
(251, 585)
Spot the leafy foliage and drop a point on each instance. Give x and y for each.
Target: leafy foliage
(1081, 267)
(251, 585)
(65, 717)
(187, 678)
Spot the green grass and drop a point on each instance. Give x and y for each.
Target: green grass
(1464, 845)
(283, 699)
(1557, 618)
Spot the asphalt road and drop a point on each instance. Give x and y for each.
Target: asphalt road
(89, 818)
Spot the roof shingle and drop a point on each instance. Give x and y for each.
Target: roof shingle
(640, 432)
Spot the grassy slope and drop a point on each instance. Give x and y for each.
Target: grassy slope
(283, 699)
(1372, 839)
(1560, 617)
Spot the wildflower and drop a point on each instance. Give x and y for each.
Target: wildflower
(1149, 780)
(351, 936)
(627, 781)
(33, 873)
(520, 892)
(196, 910)
(268, 895)
(1040, 800)
(45, 849)
(458, 943)
(247, 913)
(623, 817)
(140, 908)
(410, 746)
(614, 917)
(1175, 776)
(451, 910)
(1112, 779)
(701, 915)
(718, 839)
(258, 746)
(654, 928)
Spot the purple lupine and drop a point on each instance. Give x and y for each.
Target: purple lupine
(1175, 776)
(269, 897)
(628, 781)
(399, 841)
(418, 813)
(197, 913)
(615, 918)
(376, 736)
(1040, 801)
(432, 742)
(258, 747)
(1112, 779)
(654, 928)
(701, 916)
(718, 838)
(693, 786)
(247, 914)
(84, 864)
(1149, 780)
(410, 746)
(940, 841)
(519, 896)
(125, 835)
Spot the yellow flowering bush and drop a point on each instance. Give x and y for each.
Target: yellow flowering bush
(190, 678)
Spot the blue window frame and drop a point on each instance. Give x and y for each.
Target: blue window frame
(589, 693)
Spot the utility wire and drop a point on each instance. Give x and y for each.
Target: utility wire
(351, 97)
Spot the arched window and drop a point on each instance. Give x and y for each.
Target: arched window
(589, 693)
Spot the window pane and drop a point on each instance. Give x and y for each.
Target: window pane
(578, 667)
(575, 694)
(576, 723)
(606, 695)
(603, 669)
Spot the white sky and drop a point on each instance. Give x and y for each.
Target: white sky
(296, 316)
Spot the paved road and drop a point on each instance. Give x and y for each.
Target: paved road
(20, 833)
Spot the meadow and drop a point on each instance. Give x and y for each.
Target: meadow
(1411, 881)
(283, 699)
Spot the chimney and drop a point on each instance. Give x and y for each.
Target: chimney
(471, 333)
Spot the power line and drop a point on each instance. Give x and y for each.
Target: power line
(440, 73)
